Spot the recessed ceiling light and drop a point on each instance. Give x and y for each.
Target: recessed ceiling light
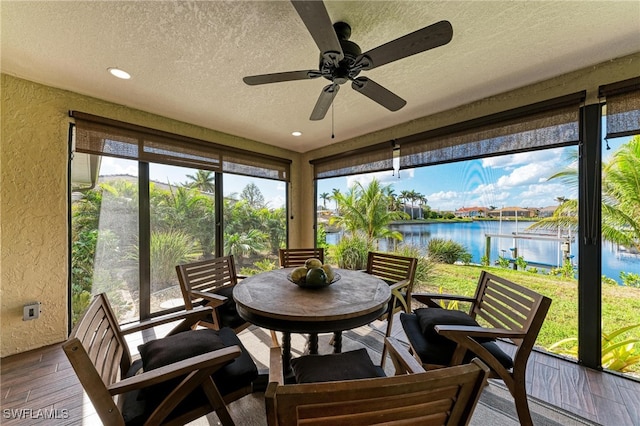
(296, 133)
(117, 72)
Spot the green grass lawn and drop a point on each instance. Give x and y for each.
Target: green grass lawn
(620, 305)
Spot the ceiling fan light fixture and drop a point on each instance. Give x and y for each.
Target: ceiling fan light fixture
(117, 72)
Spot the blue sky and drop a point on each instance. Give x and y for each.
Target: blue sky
(504, 181)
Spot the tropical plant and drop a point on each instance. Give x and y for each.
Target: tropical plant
(262, 265)
(451, 304)
(325, 196)
(617, 355)
(521, 263)
(167, 249)
(204, 180)
(184, 209)
(352, 251)
(630, 279)
(567, 270)
(321, 237)
(503, 262)
(445, 251)
(244, 244)
(367, 210)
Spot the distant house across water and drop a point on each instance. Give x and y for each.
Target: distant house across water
(471, 212)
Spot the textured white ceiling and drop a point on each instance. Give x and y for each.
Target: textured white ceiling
(187, 59)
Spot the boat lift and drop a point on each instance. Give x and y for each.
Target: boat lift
(564, 241)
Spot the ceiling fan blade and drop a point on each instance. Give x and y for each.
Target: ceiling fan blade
(377, 93)
(315, 17)
(281, 76)
(324, 102)
(418, 41)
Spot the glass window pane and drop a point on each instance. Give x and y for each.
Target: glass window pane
(621, 252)
(255, 221)
(182, 218)
(104, 234)
(513, 214)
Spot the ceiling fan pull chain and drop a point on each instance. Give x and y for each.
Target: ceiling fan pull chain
(333, 135)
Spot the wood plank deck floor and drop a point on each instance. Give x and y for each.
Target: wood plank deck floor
(40, 384)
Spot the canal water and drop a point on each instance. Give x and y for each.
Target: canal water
(472, 235)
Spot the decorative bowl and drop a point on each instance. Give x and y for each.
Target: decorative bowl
(303, 283)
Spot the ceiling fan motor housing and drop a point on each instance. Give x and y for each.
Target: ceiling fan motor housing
(344, 71)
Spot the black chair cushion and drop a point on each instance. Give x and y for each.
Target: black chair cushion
(227, 312)
(430, 317)
(240, 372)
(335, 367)
(440, 351)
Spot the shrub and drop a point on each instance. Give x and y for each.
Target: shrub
(445, 251)
(425, 265)
(503, 262)
(352, 252)
(630, 279)
(521, 263)
(259, 266)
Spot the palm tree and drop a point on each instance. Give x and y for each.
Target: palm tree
(366, 209)
(325, 196)
(204, 180)
(405, 196)
(334, 194)
(240, 245)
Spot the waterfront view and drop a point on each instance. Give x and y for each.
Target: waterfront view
(472, 235)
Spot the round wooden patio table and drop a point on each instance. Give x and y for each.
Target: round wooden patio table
(272, 301)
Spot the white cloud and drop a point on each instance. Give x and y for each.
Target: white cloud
(531, 173)
(551, 157)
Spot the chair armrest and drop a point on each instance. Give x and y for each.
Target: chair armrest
(209, 361)
(403, 361)
(462, 335)
(189, 318)
(399, 285)
(452, 331)
(429, 298)
(213, 298)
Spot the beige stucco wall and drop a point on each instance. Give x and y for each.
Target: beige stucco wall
(33, 188)
(33, 196)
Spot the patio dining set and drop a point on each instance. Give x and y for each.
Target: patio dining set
(201, 365)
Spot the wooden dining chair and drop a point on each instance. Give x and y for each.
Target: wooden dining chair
(290, 258)
(399, 272)
(413, 396)
(210, 282)
(500, 309)
(179, 378)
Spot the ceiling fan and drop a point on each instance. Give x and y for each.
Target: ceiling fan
(341, 60)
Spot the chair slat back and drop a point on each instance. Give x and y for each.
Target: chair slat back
(207, 276)
(504, 304)
(290, 258)
(99, 355)
(391, 268)
(446, 396)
